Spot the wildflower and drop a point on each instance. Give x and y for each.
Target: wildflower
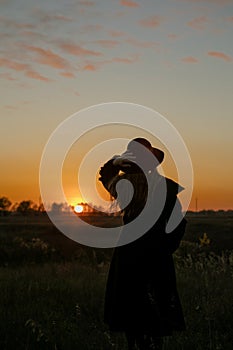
(78, 310)
(204, 240)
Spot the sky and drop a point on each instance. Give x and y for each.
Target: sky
(174, 56)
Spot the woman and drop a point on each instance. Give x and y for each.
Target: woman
(141, 295)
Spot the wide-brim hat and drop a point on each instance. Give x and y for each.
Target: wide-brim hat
(156, 151)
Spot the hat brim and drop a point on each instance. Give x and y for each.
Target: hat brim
(159, 155)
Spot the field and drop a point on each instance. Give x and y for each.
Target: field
(52, 289)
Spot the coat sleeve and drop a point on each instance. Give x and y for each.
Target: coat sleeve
(108, 173)
(158, 242)
(171, 240)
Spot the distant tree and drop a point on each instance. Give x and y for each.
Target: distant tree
(5, 204)
(25, 207)
(57, 207)
(41, 208)
(14, 207)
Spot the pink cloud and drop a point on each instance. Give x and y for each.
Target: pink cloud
(133, 59)
(172, 36)
(21, 67)
(62, 18)
(115, 33)
(77, 50)
(4, 62)
(48, 57)
(32, 35)
(90, 67)
(144, 44)
(90, 28)
(198, 23)
(46, 17)
(67, 74)
(221, 55)
(24, 25)
(129, 3)
(151, 22)
(10, 107)
(107, 43)
(35, 75)
(190, 59)
(7, 76)
(19, 25)
(230, 19)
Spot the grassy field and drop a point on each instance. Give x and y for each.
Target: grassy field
(52, 289)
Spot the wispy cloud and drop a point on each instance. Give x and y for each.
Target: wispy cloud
(107, 43)
(190, 59)
(4, 62)
(91, 28)
(230, 19)
(220, 55)
(198, 23)
(67, 74)
(90, 67)
(14, 24)
(116, 33)
(129, 3)
(21, 67)
(35, 75)
(31, 35)
(140, 43)
(78, 50)
(94, 66)
(7, 76)
(127, 60)
(46, 17)
(48, 57)
(62, 18)
(11, 107)
(151, 22)
(173, 36)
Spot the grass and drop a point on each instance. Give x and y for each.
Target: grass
(52, 289)
(53, 306)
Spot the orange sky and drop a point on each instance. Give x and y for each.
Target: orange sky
(61, 57)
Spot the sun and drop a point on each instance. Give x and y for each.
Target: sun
(78, 208)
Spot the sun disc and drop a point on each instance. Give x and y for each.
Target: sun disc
(78, 209)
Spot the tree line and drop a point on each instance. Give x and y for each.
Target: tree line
(28, 207)
(24, 207)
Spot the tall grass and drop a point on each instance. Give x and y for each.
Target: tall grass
(52, 301)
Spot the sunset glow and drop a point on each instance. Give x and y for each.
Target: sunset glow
(78, 209)
(61, 57)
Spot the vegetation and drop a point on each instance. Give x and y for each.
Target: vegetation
(52, 289)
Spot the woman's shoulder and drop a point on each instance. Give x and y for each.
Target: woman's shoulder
(173, 186)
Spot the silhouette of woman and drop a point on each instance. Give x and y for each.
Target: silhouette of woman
(141, 297)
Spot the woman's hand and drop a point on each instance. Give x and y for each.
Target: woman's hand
(124, 159)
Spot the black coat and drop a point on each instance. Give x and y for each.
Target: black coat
(141, 293)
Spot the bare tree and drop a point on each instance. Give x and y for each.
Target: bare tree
(5, 204)
(25, 207)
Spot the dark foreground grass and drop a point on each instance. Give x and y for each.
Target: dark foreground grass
(51, 295)
(52, 306)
